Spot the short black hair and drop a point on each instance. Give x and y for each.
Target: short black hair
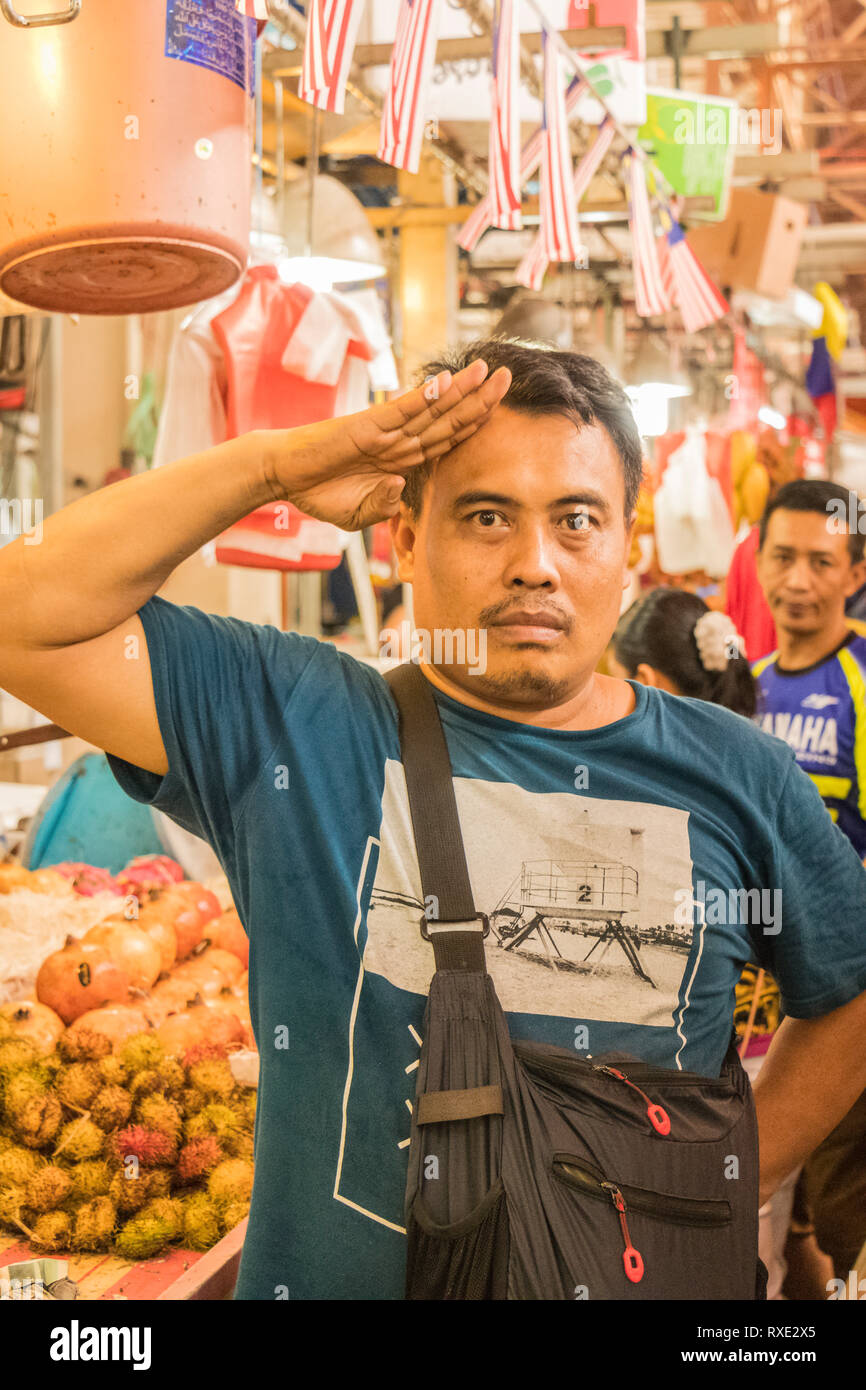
(547, 381)
(819, 495)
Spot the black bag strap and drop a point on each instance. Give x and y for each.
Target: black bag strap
(455, 929)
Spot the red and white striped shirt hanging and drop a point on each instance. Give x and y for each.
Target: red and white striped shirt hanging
(412, 58)
(695, 295)
(504, 151)
(332, 30)
(253, 9)
(649, 290)
(533, 267)
(478, 220)
(559, 230)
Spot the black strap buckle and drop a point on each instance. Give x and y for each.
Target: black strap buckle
(469, 924)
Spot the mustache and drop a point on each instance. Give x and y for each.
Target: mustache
(498, 612)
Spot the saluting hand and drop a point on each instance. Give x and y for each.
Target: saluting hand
(351, 470)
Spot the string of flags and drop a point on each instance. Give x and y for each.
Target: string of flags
(667, 274)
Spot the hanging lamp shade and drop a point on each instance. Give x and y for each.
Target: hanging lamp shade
(341, 232)
(125, 154)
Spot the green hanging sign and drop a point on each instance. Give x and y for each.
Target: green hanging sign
(691, 139)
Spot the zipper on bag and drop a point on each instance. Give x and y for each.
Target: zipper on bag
(657, 1115)
(687, 1211)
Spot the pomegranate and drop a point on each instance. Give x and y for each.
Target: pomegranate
(227, 933)
(116, 1022)
(48, 881)
(148, 872)
(130, 948)
(210, 970)
(80, 977)
(164, 938)
(37, 1023)
(222, 1026)
(87, 879)
(179, 1032)
(190, 907)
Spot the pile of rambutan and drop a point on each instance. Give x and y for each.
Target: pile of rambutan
(126, 1150)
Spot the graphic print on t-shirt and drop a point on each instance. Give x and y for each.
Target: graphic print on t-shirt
(582, 895)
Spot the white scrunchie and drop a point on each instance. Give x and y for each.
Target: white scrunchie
(718, 641)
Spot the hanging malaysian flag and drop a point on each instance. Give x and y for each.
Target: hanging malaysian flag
(649, 292)
(254, 9)
(694, 293)
(504, 154)
(532, 268)
(478, 220)
(332, 29)
(559, 231)
(411, 61)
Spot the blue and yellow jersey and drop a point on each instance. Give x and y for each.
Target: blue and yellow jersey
(820, 712)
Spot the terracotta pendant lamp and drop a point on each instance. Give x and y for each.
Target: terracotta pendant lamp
(125, 131)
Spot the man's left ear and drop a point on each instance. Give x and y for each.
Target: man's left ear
(403, 534)
(631, 522)
(858, 578)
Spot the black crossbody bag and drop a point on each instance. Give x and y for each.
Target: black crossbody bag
(538, 1174)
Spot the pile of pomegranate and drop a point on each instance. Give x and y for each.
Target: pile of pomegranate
(170, 960)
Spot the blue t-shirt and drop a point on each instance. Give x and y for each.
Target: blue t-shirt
(820, 711)
(629, 873)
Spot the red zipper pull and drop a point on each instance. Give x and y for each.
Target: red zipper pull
(657, 1115)
(631, 1258)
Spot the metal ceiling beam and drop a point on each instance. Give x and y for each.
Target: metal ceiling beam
(727, 41)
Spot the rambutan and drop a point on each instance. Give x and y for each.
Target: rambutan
(77, 1084)
(141, 1052)
(80, 1139)
(145, 1082)
(161, 1114)
(201, 1223)
(213, 1078)
(231, 1181)
(113, 1071)
(90, 1179)
(192, 1101)
(53, 1231)
(171, 1076)
(129, 1191)
(48, 1188)
(84, 1045)
(12, 1203)
(233, 1215)
(168, 1210)
(158, 1183)
(158, 1223)
(215, 1119)
(149, 1146)
(197, 1158)
(111, 1107)
(14, 1054)
(18, 1166)
(94, 1224)
(36, 1121)
(239, 1146)
(204, 1052)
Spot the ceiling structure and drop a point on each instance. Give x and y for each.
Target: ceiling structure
(803, 58)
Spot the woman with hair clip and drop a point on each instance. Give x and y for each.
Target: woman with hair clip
(673, 641)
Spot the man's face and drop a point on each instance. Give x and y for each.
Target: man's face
(522, 535)
(806, 572)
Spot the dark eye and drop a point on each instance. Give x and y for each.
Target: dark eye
(578, 521)
(485, 519)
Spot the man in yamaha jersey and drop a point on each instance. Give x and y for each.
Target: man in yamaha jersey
(813, 695)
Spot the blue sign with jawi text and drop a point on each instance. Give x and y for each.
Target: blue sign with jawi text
(212, 34)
